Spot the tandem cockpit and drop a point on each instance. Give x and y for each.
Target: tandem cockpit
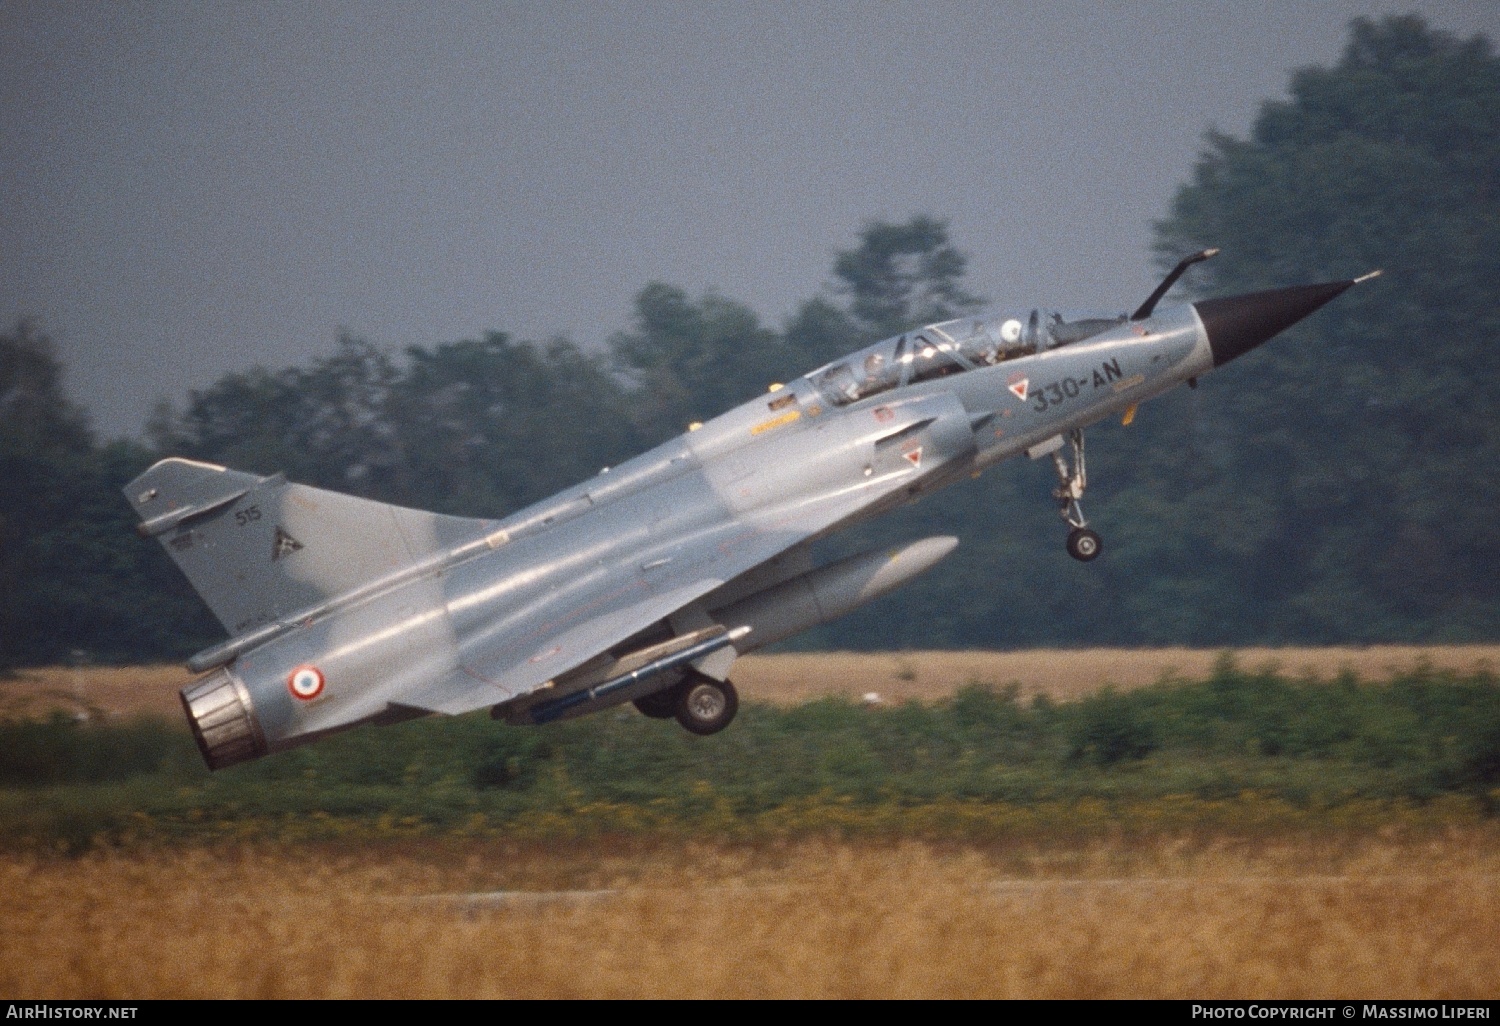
(950, 347)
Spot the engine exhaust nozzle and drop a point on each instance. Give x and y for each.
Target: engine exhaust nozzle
(222, 716)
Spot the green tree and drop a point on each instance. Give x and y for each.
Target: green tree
(323, 424)
(902, 275)
(687, 360)
(899, 276)
(35, 416)
(476, 427)
(821, 332)
(75, 580)
(1341, 482)
(486, 427)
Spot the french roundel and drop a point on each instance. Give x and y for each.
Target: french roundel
(305, 682)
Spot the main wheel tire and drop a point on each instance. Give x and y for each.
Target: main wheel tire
(659, 705)
(1084, 545)
(705, 705)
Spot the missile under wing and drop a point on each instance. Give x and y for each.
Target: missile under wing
(645, 583)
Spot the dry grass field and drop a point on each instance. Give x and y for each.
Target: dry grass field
(1181, 916)
(1062, 674)
(1309, 908)
(791, 678)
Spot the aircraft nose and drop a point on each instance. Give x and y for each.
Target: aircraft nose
(1237, 324)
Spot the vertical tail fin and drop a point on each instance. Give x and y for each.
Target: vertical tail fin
(258, 549)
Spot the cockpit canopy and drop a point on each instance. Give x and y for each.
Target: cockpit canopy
(950, 347)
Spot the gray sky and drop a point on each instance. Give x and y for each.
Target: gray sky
(192, 188)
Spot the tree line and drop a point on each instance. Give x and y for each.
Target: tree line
(1337, 485)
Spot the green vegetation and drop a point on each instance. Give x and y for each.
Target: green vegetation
(1338, 485)
(1239, 747)
(1310, 472)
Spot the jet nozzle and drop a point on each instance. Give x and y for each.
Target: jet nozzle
(1237, 324)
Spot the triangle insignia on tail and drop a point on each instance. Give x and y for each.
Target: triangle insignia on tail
(283, 544)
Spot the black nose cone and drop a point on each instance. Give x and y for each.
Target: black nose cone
(1237, 324)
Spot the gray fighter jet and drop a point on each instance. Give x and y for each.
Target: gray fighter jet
(645, 583)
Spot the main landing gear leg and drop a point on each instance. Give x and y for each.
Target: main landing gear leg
(1083, 544)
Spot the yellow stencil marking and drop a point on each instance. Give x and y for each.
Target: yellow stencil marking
(1130, 382)
(776, 422)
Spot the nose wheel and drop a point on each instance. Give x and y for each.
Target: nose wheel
(1083, 544)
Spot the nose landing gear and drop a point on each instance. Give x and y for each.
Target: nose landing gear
(1083, 544)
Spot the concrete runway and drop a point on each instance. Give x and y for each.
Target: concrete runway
(478, 901)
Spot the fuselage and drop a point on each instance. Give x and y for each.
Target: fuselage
(970, 397)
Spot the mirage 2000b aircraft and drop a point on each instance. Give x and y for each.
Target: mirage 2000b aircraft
(645, 583)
